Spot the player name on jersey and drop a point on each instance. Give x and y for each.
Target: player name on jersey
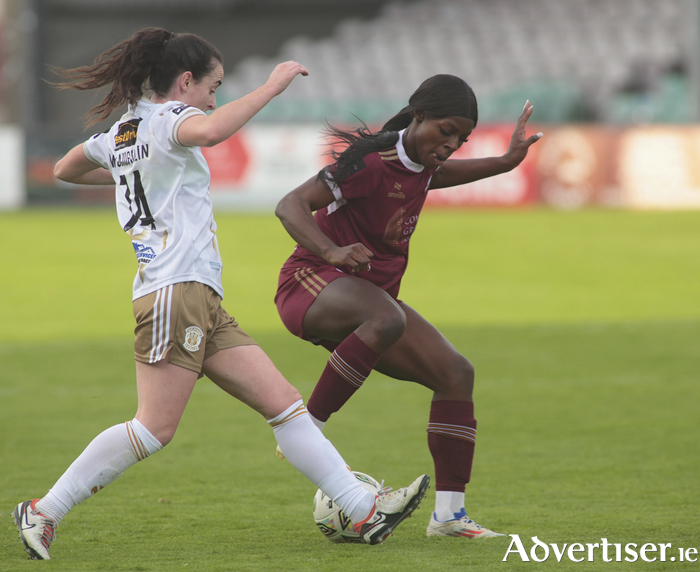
(126, 158)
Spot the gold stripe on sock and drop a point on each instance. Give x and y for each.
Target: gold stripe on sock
(136, 443)
(298, 412)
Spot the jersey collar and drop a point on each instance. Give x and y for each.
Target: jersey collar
(143, 105)
(415, 167)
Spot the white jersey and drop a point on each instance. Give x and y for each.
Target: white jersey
(163, 198)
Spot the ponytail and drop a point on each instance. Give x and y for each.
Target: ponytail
(359, 142)
(438, 96)
(400, 121)
(150, 59)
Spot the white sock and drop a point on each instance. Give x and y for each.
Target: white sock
(315, 457)
(320, 424)
(448, 504)
(356, 502)
(103, 461)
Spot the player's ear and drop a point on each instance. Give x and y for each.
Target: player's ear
(186, 81)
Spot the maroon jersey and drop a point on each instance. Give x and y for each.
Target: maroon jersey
(377, 205)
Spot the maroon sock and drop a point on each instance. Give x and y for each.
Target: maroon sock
(451, 439)
(346, 371)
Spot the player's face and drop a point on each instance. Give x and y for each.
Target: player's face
(202, 93)
(430, 141)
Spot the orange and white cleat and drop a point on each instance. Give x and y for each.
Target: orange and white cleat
(391, 508)
(36, 530)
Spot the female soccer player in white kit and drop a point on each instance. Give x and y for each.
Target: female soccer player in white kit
(162, 188)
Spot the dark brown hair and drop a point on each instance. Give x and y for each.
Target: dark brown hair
(150, 59)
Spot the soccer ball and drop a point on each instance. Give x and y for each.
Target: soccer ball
(331, 521)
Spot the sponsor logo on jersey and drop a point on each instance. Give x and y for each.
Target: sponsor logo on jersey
(193, 337)
(398, 194)
(392, 233)
(143, 253)
(126, 134)
(179, 109)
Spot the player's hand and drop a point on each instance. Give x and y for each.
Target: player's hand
(283, 74)
(356, 256)
(519, 141)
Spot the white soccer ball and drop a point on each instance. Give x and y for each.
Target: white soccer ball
(331, 521)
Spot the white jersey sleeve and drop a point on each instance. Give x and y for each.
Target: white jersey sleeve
(168, 123)
(162, 194)
(95, 149)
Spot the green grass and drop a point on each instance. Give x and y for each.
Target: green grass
(584, 329)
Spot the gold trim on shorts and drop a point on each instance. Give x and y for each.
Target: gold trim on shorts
(185, 324)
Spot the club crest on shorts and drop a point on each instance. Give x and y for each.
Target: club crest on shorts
(193, 337)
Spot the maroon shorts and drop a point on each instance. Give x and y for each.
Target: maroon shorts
(300, 282)
(297, 289)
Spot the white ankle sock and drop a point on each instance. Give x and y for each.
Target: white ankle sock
(103, 461)
(447, 504)
(316, 458)
(356, 502)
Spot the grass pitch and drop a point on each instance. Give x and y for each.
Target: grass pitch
(584, 329)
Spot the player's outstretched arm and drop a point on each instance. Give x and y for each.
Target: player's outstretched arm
(295, 210)
(461, 171)
(75, 167)
(209, 130)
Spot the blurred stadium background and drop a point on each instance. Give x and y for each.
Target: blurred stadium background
(614, 84)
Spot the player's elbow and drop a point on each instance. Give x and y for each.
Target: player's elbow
(61, 172)
(282, 208)
(290, 208)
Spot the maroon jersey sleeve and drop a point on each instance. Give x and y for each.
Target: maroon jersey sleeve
(358, 184)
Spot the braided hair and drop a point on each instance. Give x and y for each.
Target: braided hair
(439, 96)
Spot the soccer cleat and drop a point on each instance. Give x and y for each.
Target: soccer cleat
(390, 509)
(461, 525)
(36, 530)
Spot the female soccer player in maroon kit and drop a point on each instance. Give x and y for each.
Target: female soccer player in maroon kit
(340, 287)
